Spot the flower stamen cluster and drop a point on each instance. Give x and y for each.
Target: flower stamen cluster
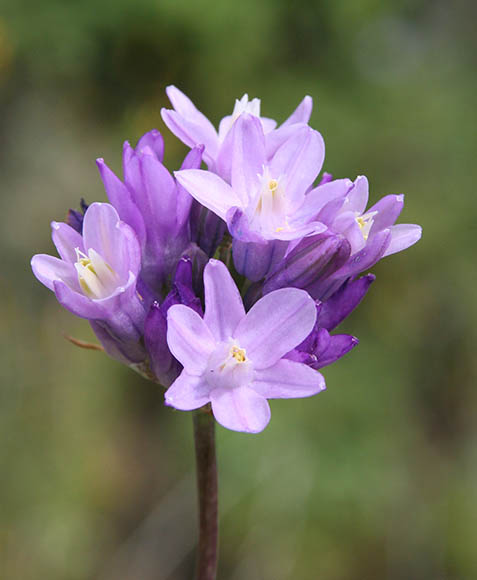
(96, 277)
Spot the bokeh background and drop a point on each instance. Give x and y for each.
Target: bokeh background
(374, 479)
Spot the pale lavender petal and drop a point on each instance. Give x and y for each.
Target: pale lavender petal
(240, 409)
(128, 251)
(158, 201)
(223, 303)
(120, 197)
(239, 227)
(189, 124)
(268, 124)
(301, 114)
(242, 155)
(191, 134)
(388, 209)
(49, 269)
(66, 240)
(275, 325)
(77, 303)
(298, 231)
(317, 198)
(331, 210)
(193, 159)
(288, 379)
(209, 190)
(132, 172)
(299, 161)
(275, 139)
(112, 239)
(189, 338)
(152, 139)
(247, 151)
(185, 107)
(346, 224)
(224, 127)
(403, 236)
(187, 392)
(358, 197)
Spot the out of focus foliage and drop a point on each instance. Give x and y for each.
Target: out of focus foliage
(376, 477)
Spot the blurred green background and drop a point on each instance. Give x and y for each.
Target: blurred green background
(374, 479)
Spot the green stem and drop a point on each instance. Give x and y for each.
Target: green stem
(204, 437)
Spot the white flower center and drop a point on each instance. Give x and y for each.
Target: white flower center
(365, 222)
(228, 366)
(241, 106)
(271, 208)
(245, 106)
(96, 277)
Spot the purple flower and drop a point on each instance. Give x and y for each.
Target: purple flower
(264, 197)
(96, 278)
(153, 204)
(355, 239)
(193, 128)
(266, 201)
(370, 233)
(235, 360)
(361, 226)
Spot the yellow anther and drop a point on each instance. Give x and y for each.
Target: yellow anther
(364, 223)
(272, 185)
(86, 289)
(86, 263)
(238, 354)
(361, 222)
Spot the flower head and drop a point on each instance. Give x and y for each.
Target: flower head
(235, 360)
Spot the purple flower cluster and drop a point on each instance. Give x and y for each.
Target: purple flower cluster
(224, 284)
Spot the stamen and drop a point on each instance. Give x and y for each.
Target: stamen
(273, 185)
(95, 276)
(238, 354)
(365, 222)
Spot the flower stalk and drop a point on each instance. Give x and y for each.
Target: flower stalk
(206, 464)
